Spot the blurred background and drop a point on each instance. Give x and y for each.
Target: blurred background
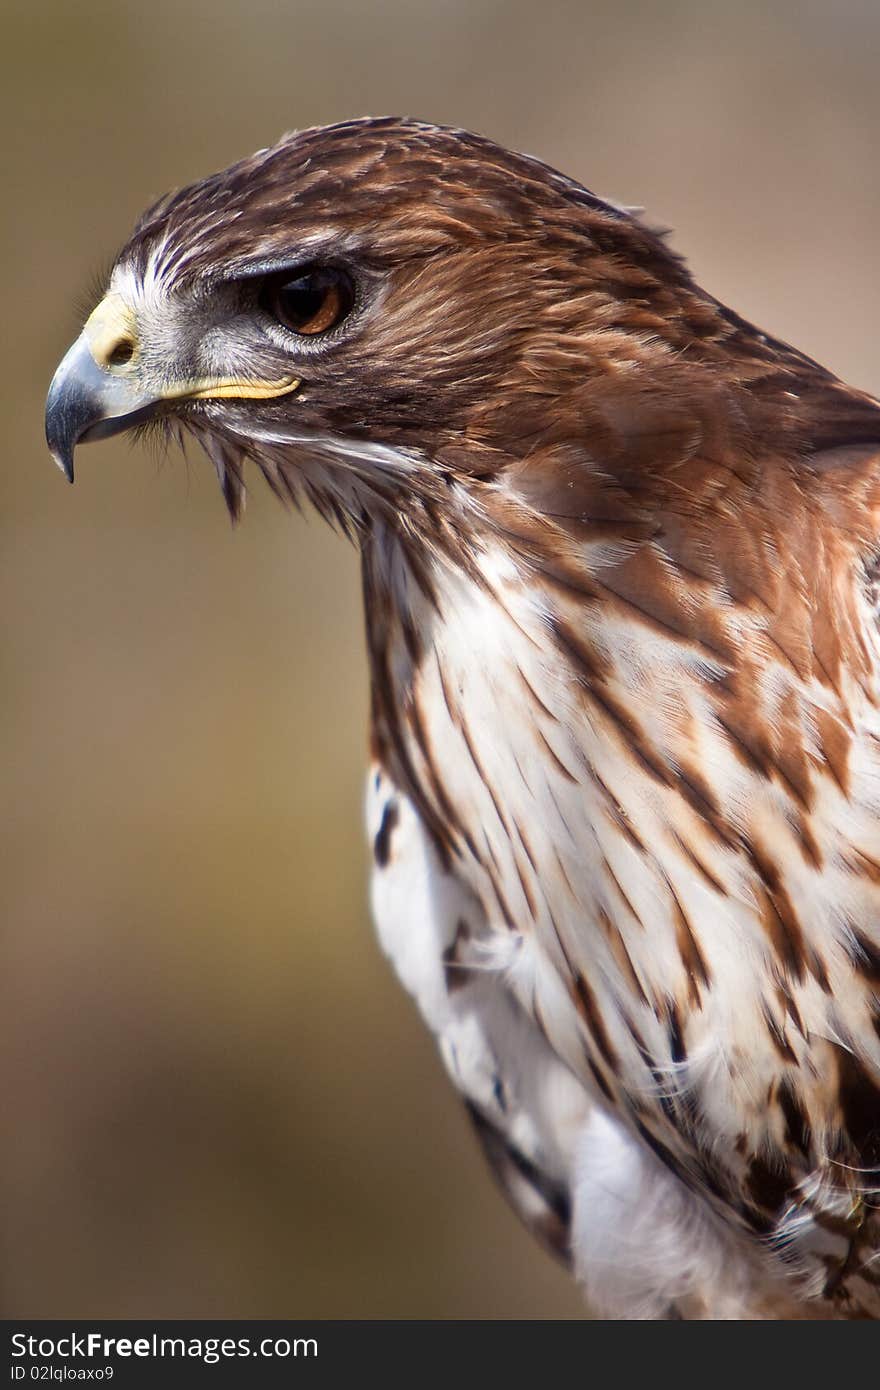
(217, 1100)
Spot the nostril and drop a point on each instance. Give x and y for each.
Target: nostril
(122, 352)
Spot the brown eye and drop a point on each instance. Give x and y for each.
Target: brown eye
(312, 302)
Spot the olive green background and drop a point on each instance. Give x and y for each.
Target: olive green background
(216, 1100)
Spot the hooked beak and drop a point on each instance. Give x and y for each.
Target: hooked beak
(92, 394)
(98, 390)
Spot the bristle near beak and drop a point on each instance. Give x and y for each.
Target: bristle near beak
(229, 465)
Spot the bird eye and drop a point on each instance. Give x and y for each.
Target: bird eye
(313, 302)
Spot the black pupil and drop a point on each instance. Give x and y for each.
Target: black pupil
(301, 300)
(312, 302)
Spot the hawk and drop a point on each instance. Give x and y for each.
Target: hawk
(620, 571)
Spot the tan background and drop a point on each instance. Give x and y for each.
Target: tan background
(217, 1101)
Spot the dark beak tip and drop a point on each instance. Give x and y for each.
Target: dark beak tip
(63, 428)
(63, 459)
(61, 446)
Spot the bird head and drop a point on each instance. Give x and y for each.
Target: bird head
(377, 296)
(372, 310)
